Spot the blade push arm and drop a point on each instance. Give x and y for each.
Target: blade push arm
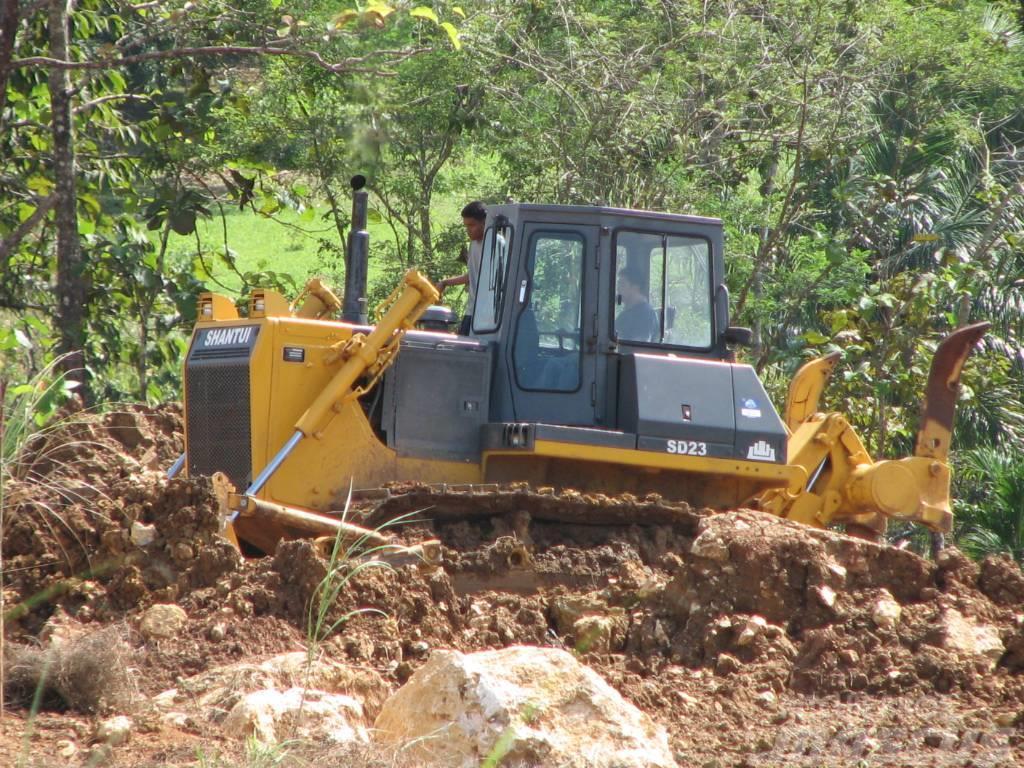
(359, 355)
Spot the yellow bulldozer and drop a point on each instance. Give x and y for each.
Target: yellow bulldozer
(598, 358)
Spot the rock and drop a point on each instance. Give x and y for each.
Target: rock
(594, 634)
(710, 547)
(766, 699)
(957, 633)
(114, 731)
(867, 745)
(165, 620)
(686, 699)
(955, 566)
(726, 664)
(826, 595)
(219, 689)
(753, 627)
(1001, 580)
(66, 748)
(143, 535)
(940, 739)
(886, 612)
(419, 648)
(526, 706)
(849, 657)
(272, 715)
(217, 632)
(1006, 719)
(99, 755)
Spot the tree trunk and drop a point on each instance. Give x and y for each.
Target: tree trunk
(9, 13)
(71, 293)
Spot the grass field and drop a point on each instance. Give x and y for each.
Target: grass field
(288, 243)
(293, 243)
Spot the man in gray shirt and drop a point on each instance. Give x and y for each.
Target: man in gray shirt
(473, 217)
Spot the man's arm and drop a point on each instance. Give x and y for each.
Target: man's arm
(448, 282)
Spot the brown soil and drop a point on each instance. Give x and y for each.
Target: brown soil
(755, 641)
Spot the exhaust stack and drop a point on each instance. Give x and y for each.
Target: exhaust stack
(357, 256)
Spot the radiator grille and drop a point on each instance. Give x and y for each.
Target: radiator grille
(217, 392)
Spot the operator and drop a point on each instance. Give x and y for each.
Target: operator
(473, 217)
(637, 321)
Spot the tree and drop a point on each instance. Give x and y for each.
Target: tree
(76, 192)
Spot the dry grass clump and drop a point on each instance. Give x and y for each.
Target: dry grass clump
(87, 673)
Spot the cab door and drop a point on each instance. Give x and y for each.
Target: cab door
(552, 357)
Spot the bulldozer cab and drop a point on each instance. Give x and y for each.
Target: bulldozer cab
(565, 293)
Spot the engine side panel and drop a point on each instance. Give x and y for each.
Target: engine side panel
(436, 398)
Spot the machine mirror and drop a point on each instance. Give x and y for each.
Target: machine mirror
(735, 334)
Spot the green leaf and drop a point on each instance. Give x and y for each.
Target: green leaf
(90, 202)
(39, 184)
(457, 10)
(373, 216)
(814, 338)
(183, 222)
(453, 34)
(423, 12)
(381, 9)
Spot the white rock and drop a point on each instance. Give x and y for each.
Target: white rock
(114, 731)
(162, 620)
(272, 715)
(538, 706)
(886, 612)
(968, 637)
(175, 719)
(753, 627)
(212, 693)
(143, 535)
(826, 595)
(837, 570)
(710, 547)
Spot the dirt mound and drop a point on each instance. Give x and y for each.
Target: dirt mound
(93, 526)
(720, 617)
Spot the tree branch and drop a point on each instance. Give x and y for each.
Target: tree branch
(343, 66)
(9, 243)
(104, 99)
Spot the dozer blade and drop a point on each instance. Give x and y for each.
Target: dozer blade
(936, 428)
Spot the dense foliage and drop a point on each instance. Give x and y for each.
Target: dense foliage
(865, 157)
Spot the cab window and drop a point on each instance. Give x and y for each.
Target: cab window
(662, 289)
(549, 328)
(490, 287)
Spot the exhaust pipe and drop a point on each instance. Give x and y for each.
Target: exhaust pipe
(357, 256)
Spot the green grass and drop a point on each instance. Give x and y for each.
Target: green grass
(288, 243)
